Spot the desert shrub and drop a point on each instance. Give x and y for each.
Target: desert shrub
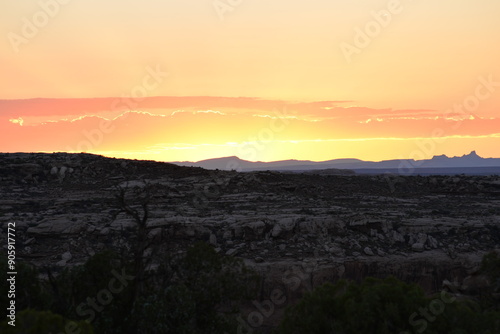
(203, 296)
(30, 292)
(465, 317)
(375, 306)
(92, 292)
(385, 306)
(170, 310)
(490, 265)
(199, 292)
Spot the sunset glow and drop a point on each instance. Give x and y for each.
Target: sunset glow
(261, 80)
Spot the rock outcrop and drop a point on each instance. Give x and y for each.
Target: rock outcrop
(296, 230)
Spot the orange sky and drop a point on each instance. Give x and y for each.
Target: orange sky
(263, 80)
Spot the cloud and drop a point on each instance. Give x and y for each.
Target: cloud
(19, 121)
(84, 124)
(39, 110)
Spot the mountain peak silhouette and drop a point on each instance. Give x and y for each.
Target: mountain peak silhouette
(472, 154)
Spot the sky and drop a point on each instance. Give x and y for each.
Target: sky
(187, 80)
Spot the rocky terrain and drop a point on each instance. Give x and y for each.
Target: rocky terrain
(296, 230)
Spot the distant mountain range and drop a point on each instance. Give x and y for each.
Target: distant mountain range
(467, 164)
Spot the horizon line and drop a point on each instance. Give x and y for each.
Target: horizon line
(473, 152)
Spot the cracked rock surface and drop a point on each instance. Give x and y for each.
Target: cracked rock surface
(296, 230)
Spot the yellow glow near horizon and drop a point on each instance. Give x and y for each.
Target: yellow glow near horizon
(366, 149)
